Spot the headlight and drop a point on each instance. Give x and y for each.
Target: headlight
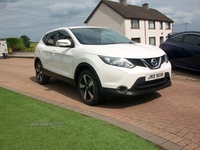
(166, 58)
(120, 62)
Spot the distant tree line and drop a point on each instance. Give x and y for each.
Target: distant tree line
(18, 44)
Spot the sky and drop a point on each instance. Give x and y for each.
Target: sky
(34, 18)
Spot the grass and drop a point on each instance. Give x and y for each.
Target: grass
(32, 46)
(28, 124)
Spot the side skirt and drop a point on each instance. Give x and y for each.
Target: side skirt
(57, 76)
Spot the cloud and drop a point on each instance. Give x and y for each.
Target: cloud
(34, 18)
(65, 10)
(7, 1)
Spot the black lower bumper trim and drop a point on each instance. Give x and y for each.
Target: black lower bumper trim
(140, 87)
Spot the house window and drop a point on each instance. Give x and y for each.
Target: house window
(161, 39)
(135, 24)
(167, 25)
(137, 40)
(152, 41)
(161, 25)
(151, 24)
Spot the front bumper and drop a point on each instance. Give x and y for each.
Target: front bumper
(140, 87)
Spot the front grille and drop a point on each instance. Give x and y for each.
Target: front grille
(137, 62)
(147, 62)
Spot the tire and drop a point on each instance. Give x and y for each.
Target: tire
(41, 78)
(88, 88)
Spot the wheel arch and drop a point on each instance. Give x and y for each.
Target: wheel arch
(85, 66)
(37, 60)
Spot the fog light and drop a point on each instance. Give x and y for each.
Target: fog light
(122, 89)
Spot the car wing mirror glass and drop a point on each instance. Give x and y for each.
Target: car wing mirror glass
(64, 43)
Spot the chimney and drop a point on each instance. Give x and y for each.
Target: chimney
(145, 5)
(123, 2)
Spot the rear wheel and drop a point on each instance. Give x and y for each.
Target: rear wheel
(41, 78)
(88, 88)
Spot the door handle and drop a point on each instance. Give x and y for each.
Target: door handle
(40, 50)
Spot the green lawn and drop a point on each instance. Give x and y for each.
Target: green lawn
(32, 46)
(28, 124)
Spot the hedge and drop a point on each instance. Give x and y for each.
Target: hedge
(16, 44)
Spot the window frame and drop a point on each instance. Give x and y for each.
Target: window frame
(132, 24)
(149, 24)
(161, 25)
(161, 39)
(150, 40)
(47, 37)
(167, 25)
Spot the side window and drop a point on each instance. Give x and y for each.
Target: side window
(49, 39)
(63, 35)
(177, 38)
(192, 39)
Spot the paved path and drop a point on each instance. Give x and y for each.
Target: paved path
(169, 117)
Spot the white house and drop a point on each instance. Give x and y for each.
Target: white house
(3, 47)
(139, 23)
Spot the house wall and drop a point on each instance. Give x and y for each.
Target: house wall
(144, 32)
(106, 17)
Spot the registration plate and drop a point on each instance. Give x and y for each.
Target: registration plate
(154, 76)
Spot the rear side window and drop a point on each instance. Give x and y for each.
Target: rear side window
(177, 38)
(192, 39)
(49, 39)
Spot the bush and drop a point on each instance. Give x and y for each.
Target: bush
(16, 44)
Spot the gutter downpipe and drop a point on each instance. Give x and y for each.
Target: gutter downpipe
(145, 32)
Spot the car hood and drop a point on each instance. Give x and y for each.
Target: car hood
(124, 50)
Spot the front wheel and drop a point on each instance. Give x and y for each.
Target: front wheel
(41, 78)
(88, 88)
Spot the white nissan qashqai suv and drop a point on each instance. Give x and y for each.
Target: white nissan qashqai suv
(101, 62)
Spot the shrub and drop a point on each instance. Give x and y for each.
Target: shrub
(16, 44)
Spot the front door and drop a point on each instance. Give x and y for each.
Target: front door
(62, 56)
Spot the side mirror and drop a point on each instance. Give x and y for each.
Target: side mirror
(64, 43)
(199, 44)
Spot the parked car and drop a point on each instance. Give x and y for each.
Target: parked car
(100, 62)
(183, 49)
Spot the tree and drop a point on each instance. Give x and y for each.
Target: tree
(26, 40)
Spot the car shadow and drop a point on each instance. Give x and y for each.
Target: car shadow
(119, 102)
(123, 102)
(60, 87)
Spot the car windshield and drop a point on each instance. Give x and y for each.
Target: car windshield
(99, 36)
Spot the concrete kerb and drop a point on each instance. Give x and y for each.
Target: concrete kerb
(159, 141)
(22, 54)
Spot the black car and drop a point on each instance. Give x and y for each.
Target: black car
(183, 49)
